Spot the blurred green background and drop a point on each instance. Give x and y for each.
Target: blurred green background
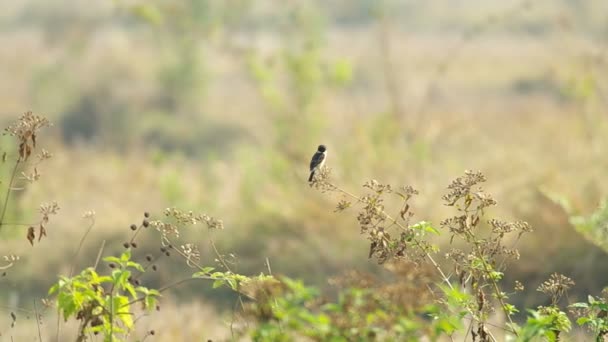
(217, 107)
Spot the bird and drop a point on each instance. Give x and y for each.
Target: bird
(317, 161)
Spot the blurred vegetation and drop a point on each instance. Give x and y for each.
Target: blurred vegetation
(220, 104)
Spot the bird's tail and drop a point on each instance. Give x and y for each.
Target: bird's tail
(312, 174)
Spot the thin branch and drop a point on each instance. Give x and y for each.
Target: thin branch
(268, 265)
(103, 244)
(219, 256)
(80, 244)
(37, 321)
(8, 193)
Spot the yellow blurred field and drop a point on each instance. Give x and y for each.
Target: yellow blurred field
(217, 106)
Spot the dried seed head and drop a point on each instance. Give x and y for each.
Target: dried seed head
(126, 245)
(192, 254)
(26, 130)
(133, 227)
(556, 286)
(146, 214)
(148, 257)
(145, 223)
(133, 244)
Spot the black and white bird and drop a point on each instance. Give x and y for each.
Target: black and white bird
(317, 161)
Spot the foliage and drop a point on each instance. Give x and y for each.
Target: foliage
(593, 314)
(103, 303)
(291, 310)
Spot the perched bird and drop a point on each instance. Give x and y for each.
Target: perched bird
(317, 161)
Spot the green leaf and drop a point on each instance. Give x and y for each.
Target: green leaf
(53, 289)
(232, 283)
(121, 308)
(425, 226)
(129, 288)
(579, 305)
(136, 266)
(126, 256)
(218, 283)
(112, 259)
(495, 275)
(583, 320)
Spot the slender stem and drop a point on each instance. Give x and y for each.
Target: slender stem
(220, 257)
(103, 244)
(8, 193)
(495, 287)
(84, 236)
(37, 321)
(112, 314)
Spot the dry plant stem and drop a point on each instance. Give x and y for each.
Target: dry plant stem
(37, 321)
(416, 242)
(84, 236)
(25, 311)
(219, 256)
(495, 287)
(103, 244)
(112, 314)
(438, 268)
(8, 193)
(487, 270)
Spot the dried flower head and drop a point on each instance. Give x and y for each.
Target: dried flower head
(342, 205)
(192, 254)
(190, 218)
(32, 176)
(556, 286)
(461, 187)
(9, 261)
(166, 229)
(48, 209)
(26, 130)
(89, 214)
(322, 180)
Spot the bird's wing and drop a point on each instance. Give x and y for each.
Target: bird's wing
(317, 159)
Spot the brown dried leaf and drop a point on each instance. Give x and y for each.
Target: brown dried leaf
(31, 235)
(41, 232)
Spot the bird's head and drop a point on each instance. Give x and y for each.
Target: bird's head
(321, 148)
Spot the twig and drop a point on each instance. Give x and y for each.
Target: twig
(37, 321)
(268, 265)
(103, 244)
(8, 193)
(84, 236)
(219, 256)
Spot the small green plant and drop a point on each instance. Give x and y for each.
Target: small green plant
(104, 303)
(593, 314)
(365, 309)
